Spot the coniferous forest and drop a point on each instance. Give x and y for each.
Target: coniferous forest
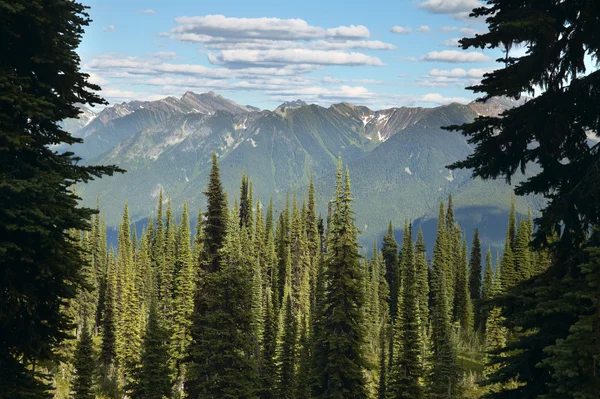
(252, 302)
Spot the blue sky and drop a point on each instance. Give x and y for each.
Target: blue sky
(375, 53)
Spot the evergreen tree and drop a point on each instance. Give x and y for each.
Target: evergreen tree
(245, 203)
(440, 261)
(222, 353)
(287, 356)
(41, 265)
(573, 361)
(216, 217)
(389, 249)
(512, 224)
(268, 369)
(445, 372)
(508, 273)
(475, 278)
(338, 358)
(183, 305)
(553, 66)
(406, 370)
(83, 383)
(488, 277)
(421, 273)
(522, 253)
(463, 304)
(153, 377)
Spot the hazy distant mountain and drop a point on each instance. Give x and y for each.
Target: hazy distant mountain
(397, 157)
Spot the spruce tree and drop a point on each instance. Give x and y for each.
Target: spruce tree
(83, 382)
(337, 370)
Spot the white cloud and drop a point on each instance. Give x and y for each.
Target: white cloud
(109, 28)
(439, 99)
(400, 29)
(465, 31)
(452, 42)
(351, 31)
(218, 27)
(352, 44)
(455, 56)
(97, 80)
(454, 73)
(148, 11)
(165, 55)
(424, 28)
(459, 9)
(292, 56)
(457, 76)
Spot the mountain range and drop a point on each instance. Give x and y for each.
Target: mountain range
(396, 156)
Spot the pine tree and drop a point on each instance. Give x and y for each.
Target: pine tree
(337, 370)
(389, 249)
(83, 383)
(153, 380)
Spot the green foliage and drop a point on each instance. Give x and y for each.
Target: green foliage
(82, 385)
(389, 249)
(153, 377)
(40, 263)
(222, 361)
(339, 360)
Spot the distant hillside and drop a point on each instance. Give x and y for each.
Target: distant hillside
(397, 158)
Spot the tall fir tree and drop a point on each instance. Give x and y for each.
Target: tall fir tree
(406, 369)
(222, 357)
(522, 253)
(475, 278)
(153, 378)
(389, 249)
(338, 363)
(82, 386)
(287, 350)
(183, 301)
(42, 86)
(215, 223)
